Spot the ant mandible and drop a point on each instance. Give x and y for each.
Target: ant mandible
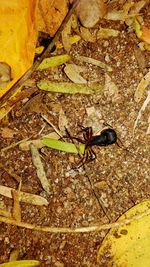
(107, 137)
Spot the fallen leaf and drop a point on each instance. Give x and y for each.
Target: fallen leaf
(90, 11)
(145, 34)
(94, 62)
(73, 73)
(69, 88)
(24, 197)
(63, 146)
(40, 169)
(50, 15)
(5, 74)
(87, 35)
(66, 35)
(14, 254)
(105, 33)
(140, 58)
(62, 122)
(110, 88)
(142, 109)
(17, 55)
(142, 87)
(53, 61)
(21, 263)
(128, 245)
(7, 132)
(25, 146)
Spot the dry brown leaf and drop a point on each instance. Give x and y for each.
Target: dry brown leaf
(63, 122)
(40, 169)
(142, 109)
(140, 58)
(105, 33)
(145, 81)
(87, 35)
(110, 88)
(7, 132)
(73, 73)
(50, 15)
(94, 62)
(90, 11)
(24, 197)
(66, 34)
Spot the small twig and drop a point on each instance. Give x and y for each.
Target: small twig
(14, 144)
(94, 228)
(52, 125)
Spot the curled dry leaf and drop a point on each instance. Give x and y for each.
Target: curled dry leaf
(40, 169)
(7, 132)
(140, 58)
(24, 197)
(145, 104)
(110, 88)
(94, 62)
(87, 35)
(90, 11)
(141, 87)
(5, 74)
(65, 36)
(129, 12)
(73, 73)
(63, 122)
(105, 33)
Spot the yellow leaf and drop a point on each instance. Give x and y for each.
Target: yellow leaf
(128, 245)
(17, 37)
(23, 263)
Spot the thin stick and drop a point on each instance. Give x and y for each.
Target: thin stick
(46, 52)
(94, 228)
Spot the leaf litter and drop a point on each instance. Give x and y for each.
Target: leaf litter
(104, 166)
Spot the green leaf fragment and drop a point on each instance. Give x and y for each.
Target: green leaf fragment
(53, 61)
(21, 263)
(63, 146)
(69, 88)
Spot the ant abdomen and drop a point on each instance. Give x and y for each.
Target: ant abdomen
(107, 137)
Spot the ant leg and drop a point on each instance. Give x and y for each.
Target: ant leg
(92, 155)
(72, 138)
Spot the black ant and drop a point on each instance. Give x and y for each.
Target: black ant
(107, 137)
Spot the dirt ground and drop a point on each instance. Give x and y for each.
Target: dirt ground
(96, 193)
